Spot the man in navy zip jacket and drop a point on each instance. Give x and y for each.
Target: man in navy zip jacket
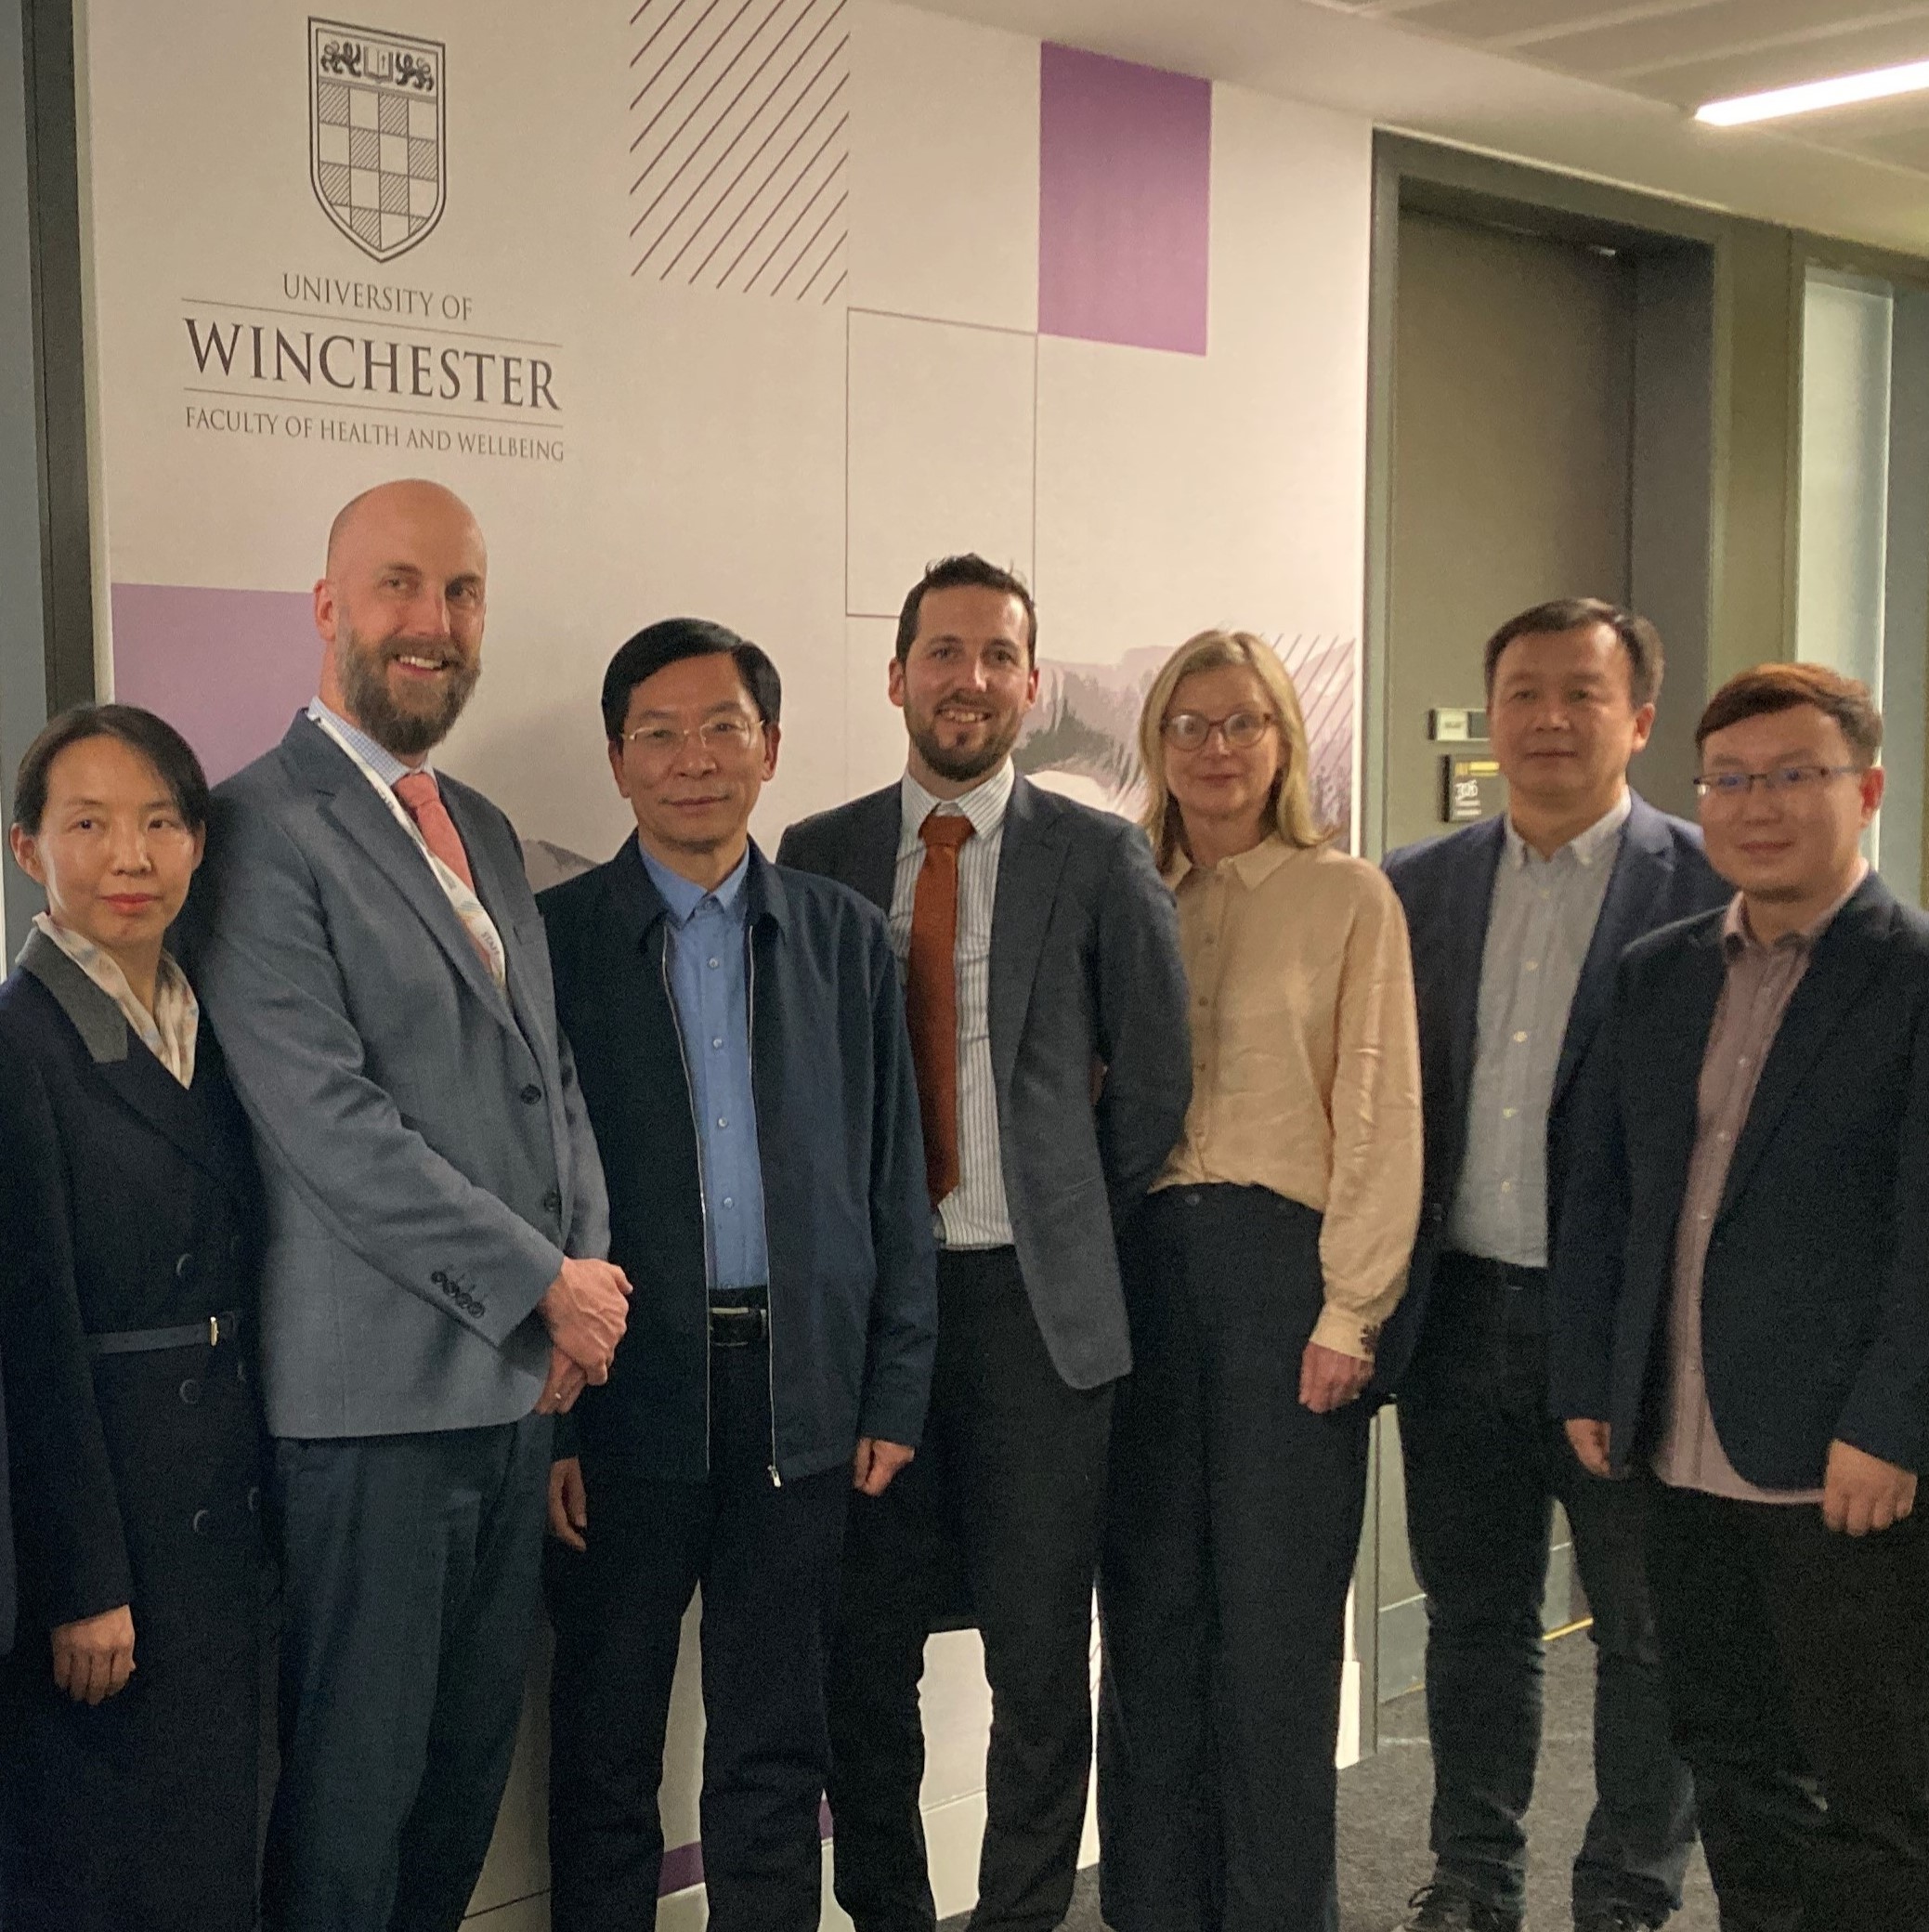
(745, 1061)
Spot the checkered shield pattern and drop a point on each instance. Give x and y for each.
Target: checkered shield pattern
(377, 135)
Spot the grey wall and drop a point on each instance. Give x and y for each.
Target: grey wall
(22, 584)
(1670, 526)
(1513, 427)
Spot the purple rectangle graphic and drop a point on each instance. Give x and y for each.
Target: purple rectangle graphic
(1124, 201)
(226, 669)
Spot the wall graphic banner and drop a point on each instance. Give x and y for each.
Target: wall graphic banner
(739, 311)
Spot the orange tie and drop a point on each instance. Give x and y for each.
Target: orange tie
(931, 996)
(423, 802)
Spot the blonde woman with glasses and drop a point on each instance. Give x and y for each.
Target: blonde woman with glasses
(1262, 1267)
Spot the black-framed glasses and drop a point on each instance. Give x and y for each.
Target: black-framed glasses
(1731, 788)
(1240, 730)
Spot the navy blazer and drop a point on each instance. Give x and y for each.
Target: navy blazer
(1085, 977)
(853, 1278)
(1815, 1297)
(1446, 887)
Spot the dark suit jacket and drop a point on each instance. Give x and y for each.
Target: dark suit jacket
(1815, 1299)
(126, 1202)
(1085, 970)
(852, 1296)
(1446, 886)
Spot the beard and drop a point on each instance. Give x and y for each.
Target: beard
(963, 764)
(405, 729)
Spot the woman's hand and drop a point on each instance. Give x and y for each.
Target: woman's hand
(1329, 1380)
(94, 1658)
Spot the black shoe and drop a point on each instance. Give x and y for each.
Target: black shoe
(1614, 1918)
(1445, 1907)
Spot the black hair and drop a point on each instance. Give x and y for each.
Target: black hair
(1638, 638)
(675, 638)
(950, 573)
(141, 731)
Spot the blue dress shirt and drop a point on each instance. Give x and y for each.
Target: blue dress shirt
(709, 983)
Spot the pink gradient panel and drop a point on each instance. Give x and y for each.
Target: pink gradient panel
(227, 669)
(1124, 201)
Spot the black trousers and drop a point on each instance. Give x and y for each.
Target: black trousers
(1234, 1524)
(412, 1570)
(1797, 1667)
(1485, 1463)
(1009, 1491)
(767, 1560)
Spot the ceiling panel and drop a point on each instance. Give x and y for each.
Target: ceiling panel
(1685, 52)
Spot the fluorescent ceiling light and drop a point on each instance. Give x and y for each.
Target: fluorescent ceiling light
(1846, 91)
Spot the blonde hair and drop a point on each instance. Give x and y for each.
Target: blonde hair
(1292, 792)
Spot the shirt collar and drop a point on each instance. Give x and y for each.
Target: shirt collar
(1587, 848)
(685, 897)
(378, 758)
(1251, 868)
(984, 804)
(1736, 935)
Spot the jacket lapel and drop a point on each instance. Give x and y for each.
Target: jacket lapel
(121, 1062)
(876, 823)
(365, 820)
(1676, 1026)
(1031, 856)
(1642, 864)
(1467, 950)
(497, 895)
(1846, 958)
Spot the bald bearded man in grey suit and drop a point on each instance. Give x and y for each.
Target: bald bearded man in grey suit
(371, 960)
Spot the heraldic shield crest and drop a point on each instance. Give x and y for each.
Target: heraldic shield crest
(376, 134)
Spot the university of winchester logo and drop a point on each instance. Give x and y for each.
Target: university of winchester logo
(377, 135)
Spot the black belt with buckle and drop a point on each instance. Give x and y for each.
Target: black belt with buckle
(211, 1333)
(738, 1318)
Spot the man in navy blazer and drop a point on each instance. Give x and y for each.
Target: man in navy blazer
(368, 949)
(1741, 1316)
(1516, 925)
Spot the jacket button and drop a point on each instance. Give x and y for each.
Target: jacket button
(531, 1094)
(552, 1201)
(253, 1502)
(190, 1392)
(184, 1268)
(201, 1522)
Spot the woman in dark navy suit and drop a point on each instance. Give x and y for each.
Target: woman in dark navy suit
(129, 1709)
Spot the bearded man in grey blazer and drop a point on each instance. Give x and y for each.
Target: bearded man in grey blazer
(1047, 1008)
(373, 964)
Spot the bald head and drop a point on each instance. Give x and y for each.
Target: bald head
(400, 610)
(409, 498)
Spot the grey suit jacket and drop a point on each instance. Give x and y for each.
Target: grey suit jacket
(426, 1152)
(1085, 973)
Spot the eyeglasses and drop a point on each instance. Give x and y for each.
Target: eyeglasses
(1731, 788)
(1188, 731)
(727, 737)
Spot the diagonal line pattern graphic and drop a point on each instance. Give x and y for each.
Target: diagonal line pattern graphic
(739, 143)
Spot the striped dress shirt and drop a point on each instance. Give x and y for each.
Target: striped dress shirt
(976, 1213)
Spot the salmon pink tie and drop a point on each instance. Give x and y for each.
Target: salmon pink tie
(422, 801)
(931, 996)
